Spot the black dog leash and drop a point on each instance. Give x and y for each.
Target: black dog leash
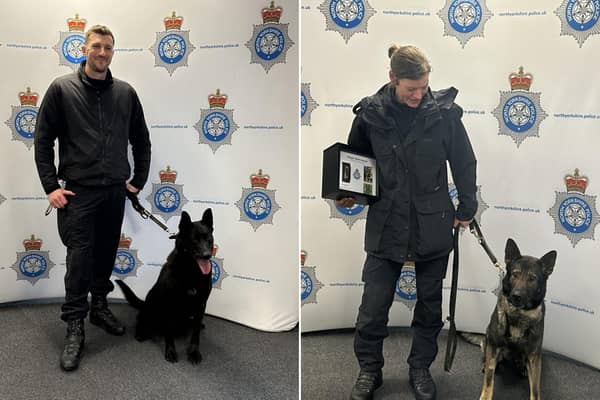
(476, 231)
(135, 203)
(452, 338)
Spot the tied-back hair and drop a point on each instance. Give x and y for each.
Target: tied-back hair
(99, 30)
(408, 62)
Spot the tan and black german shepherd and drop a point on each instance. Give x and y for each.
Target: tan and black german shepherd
(516, 327)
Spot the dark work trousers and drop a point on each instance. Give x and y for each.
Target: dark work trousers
(90, 227)
(380, 277)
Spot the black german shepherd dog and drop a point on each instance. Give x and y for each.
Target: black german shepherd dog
(516, 327)
(179, 295)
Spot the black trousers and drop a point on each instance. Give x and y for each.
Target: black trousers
(380, 277)
(90, 227)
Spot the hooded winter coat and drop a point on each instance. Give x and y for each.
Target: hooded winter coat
(414, 214)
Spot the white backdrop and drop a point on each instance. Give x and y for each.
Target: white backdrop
(522, 162)
(213, 150)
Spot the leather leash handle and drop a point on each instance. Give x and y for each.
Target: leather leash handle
(452, 338)
(476, 231)
(137, 206)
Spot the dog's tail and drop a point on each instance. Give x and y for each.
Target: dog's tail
(131, 298)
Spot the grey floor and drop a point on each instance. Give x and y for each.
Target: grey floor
(239, 362)
(329, 370)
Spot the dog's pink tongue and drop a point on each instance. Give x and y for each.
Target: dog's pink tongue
(204, 265)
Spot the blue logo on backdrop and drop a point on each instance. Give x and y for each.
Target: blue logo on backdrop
(71, 48)
(25, 123)
(464, 15)
(579, 18)
(406, 287)
(307, 285)
(167, 199)
(171, 48)
(582, 15)
(215, 126)
(257, 205)
(216, 271)
(124, 262)
(575, 215)
(269, 43)
(356, 209)
(303, 104)
(33, 265)
(347, 13)
(519, 113)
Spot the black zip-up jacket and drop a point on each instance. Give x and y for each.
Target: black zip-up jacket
(414, 215)
(94, 126)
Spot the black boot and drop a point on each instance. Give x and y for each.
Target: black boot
(422, 383)
(101, 316)
(69, 359)
(365, 386)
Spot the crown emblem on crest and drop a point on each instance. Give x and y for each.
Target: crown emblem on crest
(173, 22)
(214, 250)
(303, 255)
(259, 180)
(576, 183)
(217, 100)
(124, 242)
(76, 24)
(520, 80)
(271, 14)
(32, 243)
(167, 175)
(28, 98)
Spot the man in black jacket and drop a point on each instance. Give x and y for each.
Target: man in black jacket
(94, 117)
(412, 132)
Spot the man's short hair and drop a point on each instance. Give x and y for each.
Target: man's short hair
(99, 30)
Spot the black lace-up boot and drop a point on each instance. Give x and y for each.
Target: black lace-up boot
(101, 316)
(69, 359)
(365, 386)
(422, 383)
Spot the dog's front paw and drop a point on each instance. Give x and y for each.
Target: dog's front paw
(193, 353)
(171, 355)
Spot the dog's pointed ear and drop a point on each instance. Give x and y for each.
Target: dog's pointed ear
(548, 261)
(511, 251)
(207, 218)
(185, 221)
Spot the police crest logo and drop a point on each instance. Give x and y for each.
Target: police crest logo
(270, 40)
(309, 284)
(574, 212)
(348, 215)
(346, 17)
(406, 286)
(307, 104)
(23, 118)
(257, 204)
(216, 125)
(218, 272)
(69, 46)
(464, 19)
(172, 46)
(126, 261)
(579, 18)
(32, 264)
(519, 113)
(167, 198)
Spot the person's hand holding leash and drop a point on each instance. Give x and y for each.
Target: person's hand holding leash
(346, 202)
(463, 224)
(58, 198)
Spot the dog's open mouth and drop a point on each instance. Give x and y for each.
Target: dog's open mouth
(205, 265)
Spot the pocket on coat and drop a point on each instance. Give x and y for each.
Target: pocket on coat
(435, 220)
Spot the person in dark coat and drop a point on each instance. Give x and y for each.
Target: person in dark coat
(413, 133)
(94, 117)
